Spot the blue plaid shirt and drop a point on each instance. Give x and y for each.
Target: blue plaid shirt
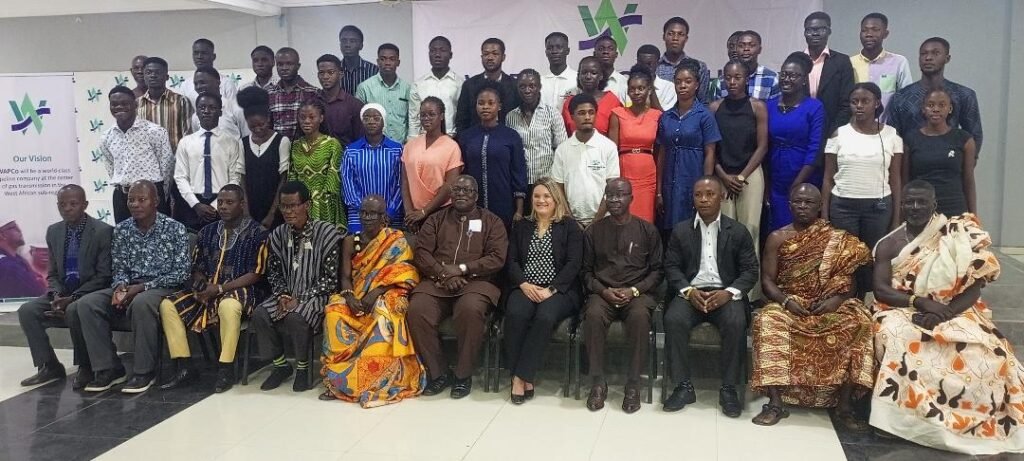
(763, 84)
(157, 259)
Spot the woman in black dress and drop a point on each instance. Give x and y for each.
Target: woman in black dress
(942, 155)
(266, 158)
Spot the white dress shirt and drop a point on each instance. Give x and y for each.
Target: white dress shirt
(232, 119)
(226, 159)
(555, 88)
(708, 276)
(253, 82)
(664, 89)
(447, 89)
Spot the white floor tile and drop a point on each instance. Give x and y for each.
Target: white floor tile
(283, 450)
(165, 450)
(548, 428)
(17, 365)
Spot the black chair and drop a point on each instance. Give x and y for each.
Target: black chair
(617, 337)
(705, 337)
(447, 332)
(565, 333)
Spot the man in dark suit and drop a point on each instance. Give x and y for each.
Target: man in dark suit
(831, 78)
(79, 264)
(710, 265)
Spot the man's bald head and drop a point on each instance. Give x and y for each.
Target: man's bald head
(806, 189)
(144, 185)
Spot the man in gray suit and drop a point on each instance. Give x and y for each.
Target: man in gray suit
(79, 264)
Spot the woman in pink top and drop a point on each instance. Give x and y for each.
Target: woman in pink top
(431, 162)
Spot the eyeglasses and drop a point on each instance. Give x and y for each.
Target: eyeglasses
(790, 75)
(463, 190)
(815, 30)
(290, 206)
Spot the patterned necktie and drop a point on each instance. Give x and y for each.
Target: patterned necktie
(207, 167)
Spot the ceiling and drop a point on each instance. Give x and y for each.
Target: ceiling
(20, 9)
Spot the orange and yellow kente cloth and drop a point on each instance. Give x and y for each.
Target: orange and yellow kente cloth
(957, 387)
(369, 358)
(811, 357)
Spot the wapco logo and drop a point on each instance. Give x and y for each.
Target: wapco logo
(608, 22)
(28, 114)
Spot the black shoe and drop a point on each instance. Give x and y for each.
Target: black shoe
(105, 379)
(47, 373)
(438, 385)
(516, 399)
(82, 379)
(301, 383)
(528, 394)
(276, 378)
(682, 396)
(729, 402)
(225, 378)
(184, 376)
(462, 387)
(139, 383)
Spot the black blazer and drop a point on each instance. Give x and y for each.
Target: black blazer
(737, 263)
(834, 91)
(566, 244)
(94, 264)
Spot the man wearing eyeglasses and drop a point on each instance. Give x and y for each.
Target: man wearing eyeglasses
(459, 252)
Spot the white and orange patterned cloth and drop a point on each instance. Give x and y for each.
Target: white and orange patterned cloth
(957, 387)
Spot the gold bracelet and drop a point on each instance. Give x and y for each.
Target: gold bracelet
(912, 299)
(346, 292)
(786, 300)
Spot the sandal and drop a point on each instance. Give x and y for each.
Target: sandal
(770, 415)
(327, 395)
(849, 421)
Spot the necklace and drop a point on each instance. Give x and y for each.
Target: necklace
(308, 147)
(785, 108)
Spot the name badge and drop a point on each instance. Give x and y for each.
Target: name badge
(476, 225)
(595, 165)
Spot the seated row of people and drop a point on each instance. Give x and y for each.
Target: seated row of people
(938, 370)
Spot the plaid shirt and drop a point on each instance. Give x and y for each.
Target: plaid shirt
(763, 84)
(284, 106)
(667, 71)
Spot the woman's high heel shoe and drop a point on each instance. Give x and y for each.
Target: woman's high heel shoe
(517, 399)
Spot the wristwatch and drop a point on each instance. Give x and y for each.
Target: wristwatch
(742, 178)
(636, 293)
(463, 268)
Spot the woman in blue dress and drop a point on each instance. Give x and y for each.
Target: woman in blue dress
(494, 155)
(372, 165)
(686, 140)
(796, 124)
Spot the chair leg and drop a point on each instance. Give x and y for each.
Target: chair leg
(309, 360)
(652, 366)
(576, 355)
(497, 361)
(487, 360)
(249, 337)
(567, 375)
(664, 376)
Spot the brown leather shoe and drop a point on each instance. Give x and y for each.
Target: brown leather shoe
(598, 394)
(631, 401)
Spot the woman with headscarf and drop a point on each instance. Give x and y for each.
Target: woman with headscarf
(372, 165)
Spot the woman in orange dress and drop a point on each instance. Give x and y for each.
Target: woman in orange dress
(634, 130)
(591, 79)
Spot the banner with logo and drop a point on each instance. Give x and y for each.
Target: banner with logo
(523, 24)
(94, 118)
(38, 156)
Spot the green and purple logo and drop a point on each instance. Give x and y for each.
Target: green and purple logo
(28, 114)
(607, 22)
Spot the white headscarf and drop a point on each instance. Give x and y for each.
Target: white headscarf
(376, 107)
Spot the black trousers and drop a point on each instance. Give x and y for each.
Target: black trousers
(187, 216)
(528, 328)
(270, 334)
(863, 218)
(731, 321)
(120, 199)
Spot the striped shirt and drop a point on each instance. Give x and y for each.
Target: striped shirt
(304, 265)
(394, 98)
(171, 111)
(541, 135)
(372, 170)
(284, 106)
(351, 78)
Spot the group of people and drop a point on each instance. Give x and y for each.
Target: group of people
(371, 209)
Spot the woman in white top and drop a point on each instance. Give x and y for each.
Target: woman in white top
(861, 188)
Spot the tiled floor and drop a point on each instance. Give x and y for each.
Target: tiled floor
(53, 422)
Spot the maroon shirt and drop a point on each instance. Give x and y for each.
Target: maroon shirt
(342, 117)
